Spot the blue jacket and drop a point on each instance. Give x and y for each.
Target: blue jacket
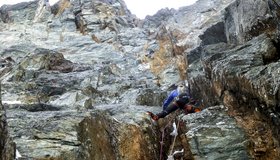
(170, 98)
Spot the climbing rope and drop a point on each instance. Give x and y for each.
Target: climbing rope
(163, 134)
(174, 140)
(178, 112)
(161, 142)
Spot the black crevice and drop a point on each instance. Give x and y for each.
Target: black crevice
(273, 57)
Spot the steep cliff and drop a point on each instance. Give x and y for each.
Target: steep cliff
(78, 77)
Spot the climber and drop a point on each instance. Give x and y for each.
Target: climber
(182, 101)
(182, 87)
(47, 4)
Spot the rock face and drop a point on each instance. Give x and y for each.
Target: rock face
(7, 146)
(247, 19)
(116, 136)
(78, 77)
(218, 137)
(243, 73)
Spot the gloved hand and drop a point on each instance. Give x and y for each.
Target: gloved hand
(191, 109)
(188, 109)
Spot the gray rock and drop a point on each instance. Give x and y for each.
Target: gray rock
(247, 19)
(45, 134)
(7, 146)
(20, 12)
(82, 72)
(213, 134)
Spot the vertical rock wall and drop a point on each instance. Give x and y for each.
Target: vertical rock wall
(7, 147)
(243, 74)
(246, 19)
(105, 138)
